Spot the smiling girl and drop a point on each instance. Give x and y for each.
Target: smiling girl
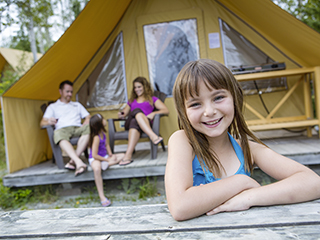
(210, 158)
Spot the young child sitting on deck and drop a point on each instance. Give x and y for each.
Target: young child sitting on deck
(100, 154)
(210, 159)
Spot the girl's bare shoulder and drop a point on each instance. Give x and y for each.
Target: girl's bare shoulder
(179, 141)
(178, 135)
(96, 137)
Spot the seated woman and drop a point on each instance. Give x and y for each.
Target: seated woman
(140, 115)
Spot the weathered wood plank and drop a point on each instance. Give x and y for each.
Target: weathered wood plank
(302, 220)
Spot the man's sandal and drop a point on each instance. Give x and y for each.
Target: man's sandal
(70, 165)
(80, 171)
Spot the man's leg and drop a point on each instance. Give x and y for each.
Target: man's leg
(83, 141)
(68, 148)
(82, 144)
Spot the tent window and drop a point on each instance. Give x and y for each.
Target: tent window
(169, 47)
(240, 53)
(105, 88)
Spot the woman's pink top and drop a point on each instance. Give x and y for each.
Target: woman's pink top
(144, 106)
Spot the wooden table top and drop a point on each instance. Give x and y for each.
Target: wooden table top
(297, 221)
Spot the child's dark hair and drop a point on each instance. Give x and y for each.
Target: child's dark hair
(96, 125)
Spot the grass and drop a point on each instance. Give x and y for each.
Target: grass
(143, 186)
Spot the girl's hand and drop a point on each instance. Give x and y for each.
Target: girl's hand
(239, 202)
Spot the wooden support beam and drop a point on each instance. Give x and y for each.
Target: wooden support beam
(273, 74)
(255, 112)
(284, 99)
(272, 126)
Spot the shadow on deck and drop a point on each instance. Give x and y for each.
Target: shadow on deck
(302, 149)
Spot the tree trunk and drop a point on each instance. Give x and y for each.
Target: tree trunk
(32, 40)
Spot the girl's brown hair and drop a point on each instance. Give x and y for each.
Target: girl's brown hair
(147, 90)
(214, 75)
(96, 125)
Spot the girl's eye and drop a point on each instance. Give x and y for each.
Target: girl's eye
(218, 98)
(193, 105)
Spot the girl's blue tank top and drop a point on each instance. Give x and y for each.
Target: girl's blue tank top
(200, 178)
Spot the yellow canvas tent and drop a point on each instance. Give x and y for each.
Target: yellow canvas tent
(89, 40)
(16, 60)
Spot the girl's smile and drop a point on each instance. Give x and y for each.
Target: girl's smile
(212, 112)
(213, 123)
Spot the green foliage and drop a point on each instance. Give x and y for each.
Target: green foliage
(10, 198)
(44, 194)
(20, 41)
(311, 14)
(76, 8)
(144, 186)
(148, 189)
(6, 197)
(130, 185)
(14, 198)
(8, 77)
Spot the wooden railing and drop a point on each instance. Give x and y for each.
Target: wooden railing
(270, 122)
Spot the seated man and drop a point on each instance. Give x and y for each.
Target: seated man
(66, 116)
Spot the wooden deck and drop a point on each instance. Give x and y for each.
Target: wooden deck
(296, 221)
(302, 149)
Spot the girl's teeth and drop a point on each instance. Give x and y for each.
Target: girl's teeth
(212, 123)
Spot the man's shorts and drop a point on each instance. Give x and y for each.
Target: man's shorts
(68, 132)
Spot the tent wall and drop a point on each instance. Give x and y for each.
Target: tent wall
(26, 143)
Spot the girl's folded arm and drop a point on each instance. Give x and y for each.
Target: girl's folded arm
(186, 201)
(297, 183)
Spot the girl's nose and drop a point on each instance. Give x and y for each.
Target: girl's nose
(209, 111)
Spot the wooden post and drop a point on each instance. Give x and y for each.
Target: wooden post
(317, 93)
(307, 101)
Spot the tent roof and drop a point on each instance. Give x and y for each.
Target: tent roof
(13, 57)
(72, 52)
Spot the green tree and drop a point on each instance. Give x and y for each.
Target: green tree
(33, 19)
(6, 19)
(311, 14)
